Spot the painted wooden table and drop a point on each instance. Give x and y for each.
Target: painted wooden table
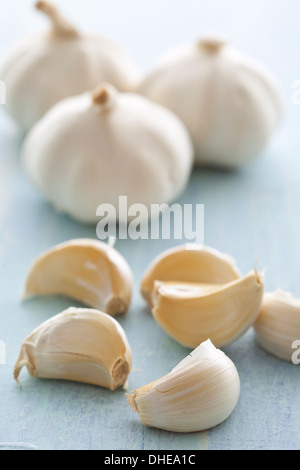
(251, 214)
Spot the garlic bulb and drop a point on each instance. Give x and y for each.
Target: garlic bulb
(47, 67)
(91, 149)
(189, 263)
(278, 324)
(191, 312)
(81, 345)
(198, 394)
(230, 104)
(87, 270)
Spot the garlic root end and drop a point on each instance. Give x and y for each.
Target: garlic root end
(120, 373)
(17, 369)
(131, 401)
(117, 306)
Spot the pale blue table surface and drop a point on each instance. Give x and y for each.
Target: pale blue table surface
(251, 214)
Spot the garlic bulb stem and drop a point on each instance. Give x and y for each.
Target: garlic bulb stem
(100, 97)
(212, 46)
(60, 25)
(104, 97)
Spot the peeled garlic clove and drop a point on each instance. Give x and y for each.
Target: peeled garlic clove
(198, 394)
(87, 270)
(278, 324)
(189, 263)
(230, 104)
(223, 313)
(46, 67)
(81, 345)
(90, 149)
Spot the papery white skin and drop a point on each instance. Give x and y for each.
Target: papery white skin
(84, 153)
(278, 324)
(198, 394)
(230, 104)
(46, 67)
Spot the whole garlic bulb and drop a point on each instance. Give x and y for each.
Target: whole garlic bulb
(229, 103)
(47, 67)
(93, 148)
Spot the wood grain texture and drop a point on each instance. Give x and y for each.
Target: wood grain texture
(251, 214)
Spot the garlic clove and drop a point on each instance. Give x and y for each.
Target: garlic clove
(230, 103)
(278, 324)
(189, 263)
(198, 394)
(87, 270)
(223, 313)
(72, 62)
(94, 154)
(81, 345)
